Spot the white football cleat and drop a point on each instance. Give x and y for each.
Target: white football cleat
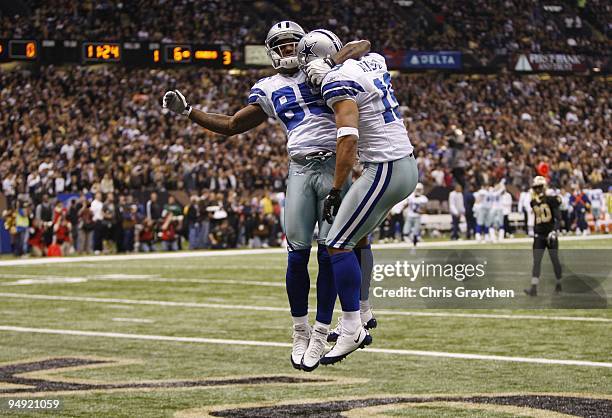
(301, 338)
(346, 344)
(315, 349)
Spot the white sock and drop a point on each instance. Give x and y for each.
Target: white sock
(365, 310)
(351, 321)
(535, 280)
(321, 327)
(300, 320)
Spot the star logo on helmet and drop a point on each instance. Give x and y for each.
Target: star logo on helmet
(307, 52)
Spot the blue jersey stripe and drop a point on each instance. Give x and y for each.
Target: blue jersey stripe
(258, 92)
(369, 212)
(339, 92)
(360, 207)
(342, 83)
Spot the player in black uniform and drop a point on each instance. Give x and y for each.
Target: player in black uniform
(547, 220)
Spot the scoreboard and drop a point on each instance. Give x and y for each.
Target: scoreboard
(133, 53)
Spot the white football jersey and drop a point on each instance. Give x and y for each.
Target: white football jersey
(309, 124)
(495, 197)
(596, 196)
(415, 205)
(482, 198)
(382, 134)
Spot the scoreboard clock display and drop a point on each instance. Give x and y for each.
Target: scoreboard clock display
(177, 54)
(101, 52)
(23, 49)
(134, 53)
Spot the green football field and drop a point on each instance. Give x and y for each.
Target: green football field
(209, 335)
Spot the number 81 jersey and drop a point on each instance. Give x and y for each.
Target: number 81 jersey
(309, 124)
(382, 134)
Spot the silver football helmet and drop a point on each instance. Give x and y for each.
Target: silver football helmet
(320, 43)
(279, 36)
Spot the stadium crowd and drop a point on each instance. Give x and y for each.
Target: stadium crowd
(100, 137)
(484, 27)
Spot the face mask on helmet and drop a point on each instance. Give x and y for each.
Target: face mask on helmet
(281, 44)
(283, 53)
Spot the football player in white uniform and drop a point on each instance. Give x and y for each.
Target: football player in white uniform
(415, 205)
(496, 212)
(598, 207)
(369, 126)
(482, 207)
(311, 133)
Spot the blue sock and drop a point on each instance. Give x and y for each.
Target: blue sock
(347, 276)
(366, 264)
(326, 288)
(478, 228)
(298, 281)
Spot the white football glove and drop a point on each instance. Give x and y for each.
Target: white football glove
(553, 236)
(317, 69)
(176, 102)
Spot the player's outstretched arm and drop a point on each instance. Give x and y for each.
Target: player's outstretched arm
(352, 50)
(245, 119)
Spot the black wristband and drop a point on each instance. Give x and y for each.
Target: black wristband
(330, 61)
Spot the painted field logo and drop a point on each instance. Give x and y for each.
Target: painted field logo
(40, 377)
(541, 405)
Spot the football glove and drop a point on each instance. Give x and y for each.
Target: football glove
(552, 236)
(331, 204)
(317, 69)
(176, 102)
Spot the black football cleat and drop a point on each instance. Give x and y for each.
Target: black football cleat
(533, 291)
(371, 324)
(558, 288)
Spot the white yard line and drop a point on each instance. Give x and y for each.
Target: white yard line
(35, 280)
(285, 310)
(418, 353)
(241, 252)
(137, 320)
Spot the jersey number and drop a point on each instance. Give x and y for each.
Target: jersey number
(543, 214)
(290, 111)
(391, 104)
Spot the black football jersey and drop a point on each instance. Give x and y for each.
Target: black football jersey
(546, 211)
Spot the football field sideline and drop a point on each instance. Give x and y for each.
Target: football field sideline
(285, 310)
(241, 252)
(417, 353)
